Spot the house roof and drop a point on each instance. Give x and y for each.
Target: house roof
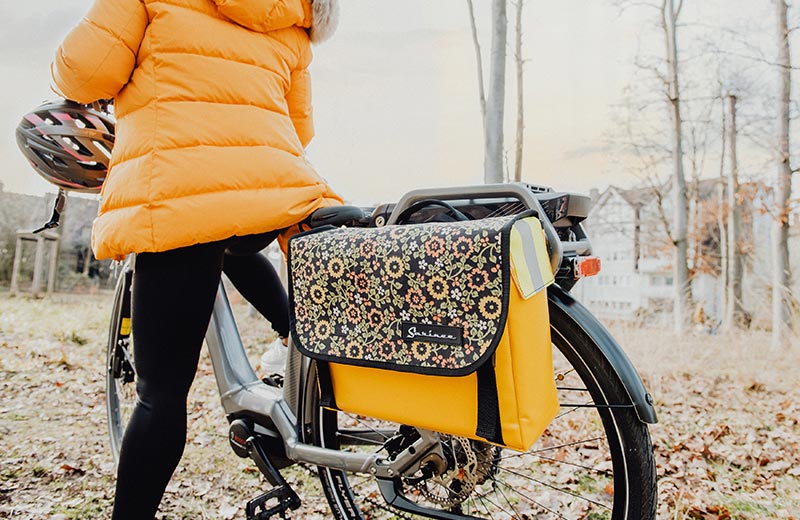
(642, 195)
(638, 196)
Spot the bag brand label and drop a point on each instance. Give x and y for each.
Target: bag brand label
(432, 333)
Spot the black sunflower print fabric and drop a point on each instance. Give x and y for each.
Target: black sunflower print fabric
(426, 298)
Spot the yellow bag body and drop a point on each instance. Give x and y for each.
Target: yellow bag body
(440, 326)
(525, 385)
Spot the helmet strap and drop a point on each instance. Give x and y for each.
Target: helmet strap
(58, 209)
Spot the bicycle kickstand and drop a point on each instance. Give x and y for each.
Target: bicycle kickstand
(258, 508)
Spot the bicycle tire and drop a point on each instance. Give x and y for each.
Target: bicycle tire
(120, 373)
(580, 486)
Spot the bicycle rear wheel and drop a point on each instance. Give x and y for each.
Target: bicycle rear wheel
(120, 371)
(594, 461)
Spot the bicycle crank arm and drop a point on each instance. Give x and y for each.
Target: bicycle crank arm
(282, 492)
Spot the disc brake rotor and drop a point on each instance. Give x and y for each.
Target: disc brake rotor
(471, 465)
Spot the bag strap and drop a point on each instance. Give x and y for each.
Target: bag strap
(403, 217)
(488, 405)
(326, 397)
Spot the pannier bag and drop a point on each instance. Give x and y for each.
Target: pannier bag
(441, 326)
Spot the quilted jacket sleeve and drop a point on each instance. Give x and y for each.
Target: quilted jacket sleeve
(299, 100)
(97, 57)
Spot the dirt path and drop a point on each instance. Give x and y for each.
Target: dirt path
(728, 444)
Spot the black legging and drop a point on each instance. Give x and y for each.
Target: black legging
(255, 278)
(173, 296)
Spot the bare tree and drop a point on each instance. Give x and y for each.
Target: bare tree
(723, 238)
(678, 229)
(495, 101)
(734, 310)
(479, 61)
(670, 12)
(520, 62)
(781, 276)
(493, 104)
(697, 147)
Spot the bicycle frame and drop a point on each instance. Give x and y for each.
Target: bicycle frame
(243, 394)
(281, 413)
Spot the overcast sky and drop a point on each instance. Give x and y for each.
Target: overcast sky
(395, 91)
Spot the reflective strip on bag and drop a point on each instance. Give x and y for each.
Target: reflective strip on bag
(530, 263)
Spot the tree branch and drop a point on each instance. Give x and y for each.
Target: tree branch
(479, 60)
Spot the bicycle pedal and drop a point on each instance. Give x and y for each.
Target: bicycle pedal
(260, 509)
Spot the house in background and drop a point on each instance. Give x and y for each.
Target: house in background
(20, 212)
(636, 271)
(628, 232)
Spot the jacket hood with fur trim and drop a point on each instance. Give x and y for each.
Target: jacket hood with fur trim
(324, 20)
(320, 17)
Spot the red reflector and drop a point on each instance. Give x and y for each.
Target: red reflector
(588, 266)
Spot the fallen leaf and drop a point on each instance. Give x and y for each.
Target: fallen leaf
(73, 469)
(228, 511)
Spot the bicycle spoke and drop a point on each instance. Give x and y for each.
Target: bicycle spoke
(516, 513)
(384, 436)
(555, 488)
(532, 501)
(364, 440)
(128, 358)
(603, 472)
(550, 448)
(571, 410)
(483, 499)
(577, 406)
(560, 376)
(570, 389)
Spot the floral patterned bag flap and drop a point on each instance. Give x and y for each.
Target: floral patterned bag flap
(426, 298)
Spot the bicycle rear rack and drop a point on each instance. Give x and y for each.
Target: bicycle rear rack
(532, 197)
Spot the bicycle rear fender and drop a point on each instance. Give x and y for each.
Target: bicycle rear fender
(619, 361)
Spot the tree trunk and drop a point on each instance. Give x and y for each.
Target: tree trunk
(495, 102)
(735, 312)
(723, 235)
(680, 217)
(87, 261)
(781, 273)
(520, 97)
(479, 61)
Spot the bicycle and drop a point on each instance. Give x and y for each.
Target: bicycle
(594, 461)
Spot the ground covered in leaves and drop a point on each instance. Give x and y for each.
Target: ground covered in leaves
(727, 445)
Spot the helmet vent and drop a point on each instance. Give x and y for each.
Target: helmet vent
(68, 144)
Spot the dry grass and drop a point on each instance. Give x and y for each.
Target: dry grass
(54, 456)
(728, 444)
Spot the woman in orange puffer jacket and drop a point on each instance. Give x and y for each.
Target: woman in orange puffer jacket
(213, 112)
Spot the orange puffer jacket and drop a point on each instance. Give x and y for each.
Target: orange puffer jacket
(214, 110)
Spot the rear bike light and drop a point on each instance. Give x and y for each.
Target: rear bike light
(587, 266)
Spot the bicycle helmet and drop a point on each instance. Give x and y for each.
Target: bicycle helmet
(68, 144)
